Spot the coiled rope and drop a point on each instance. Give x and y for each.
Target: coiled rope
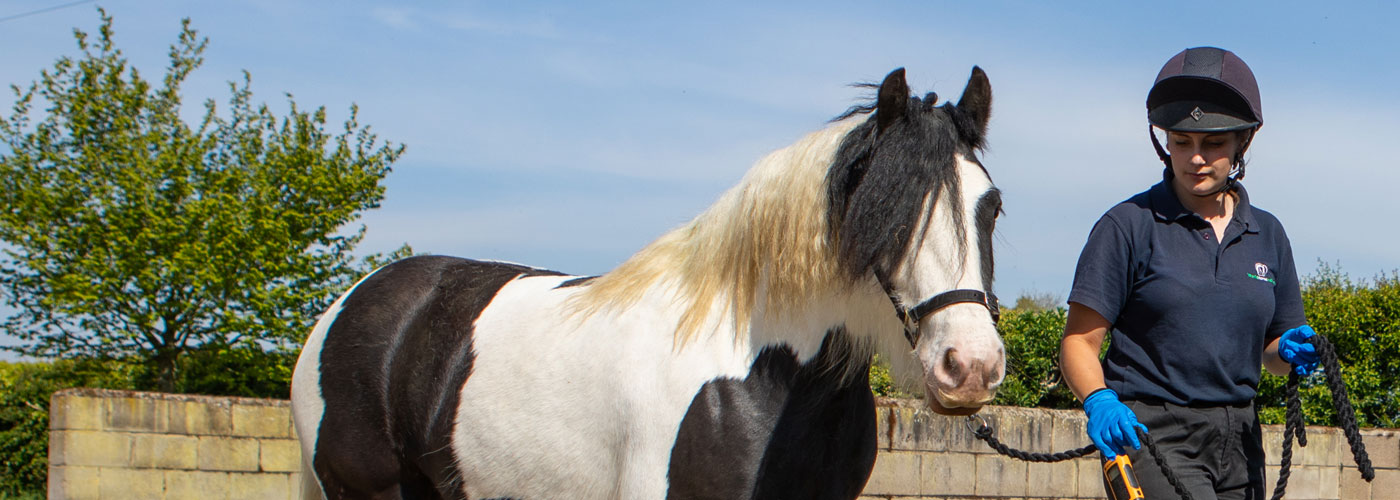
(1292, 428)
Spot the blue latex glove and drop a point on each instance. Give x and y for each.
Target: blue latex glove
(1112, 425)
(1294, 348)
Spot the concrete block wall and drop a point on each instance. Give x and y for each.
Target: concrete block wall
(923, 455)
(116, 444)
(120, 444)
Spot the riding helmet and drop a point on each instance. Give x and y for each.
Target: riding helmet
(1205, 89)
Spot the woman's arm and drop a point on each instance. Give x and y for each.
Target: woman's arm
(1085, 330)
(1272, 362)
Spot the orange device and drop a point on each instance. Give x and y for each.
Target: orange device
(1122, 481)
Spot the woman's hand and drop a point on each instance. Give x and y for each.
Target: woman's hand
(1112, 425)
(1294, 348)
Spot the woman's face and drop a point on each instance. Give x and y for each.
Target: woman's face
(1201, 161)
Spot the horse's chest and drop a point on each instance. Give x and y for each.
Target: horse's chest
(785, 431)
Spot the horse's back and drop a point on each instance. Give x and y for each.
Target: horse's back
(393, 355)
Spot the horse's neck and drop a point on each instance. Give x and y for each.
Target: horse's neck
(862, 312)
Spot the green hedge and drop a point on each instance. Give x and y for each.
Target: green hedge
(25, 389)
(1362, 319)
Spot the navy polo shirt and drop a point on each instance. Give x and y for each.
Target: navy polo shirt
(1190, 315)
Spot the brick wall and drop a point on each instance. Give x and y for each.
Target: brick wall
(116, 444)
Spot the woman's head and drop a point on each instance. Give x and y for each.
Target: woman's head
(1210, 95)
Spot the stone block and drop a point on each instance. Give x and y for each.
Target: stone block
(1324, 447)
(164, 451)
(74, 483)
(1052, 480)
(884, 416)
(261, 421)
(1329, 482)
(1090, 478)
(1273, 444)
(1352, 485)
(200, 418)
(896, 473)
(73, 411)
(1383, 446)
(1386, 485)
(228, 454)
(279, 455)
(259, 487)
(999, 476)
(948, 474)
(1303, 483)
(90, 448)
(194, 484)
(132, 483)
(1067, 432)
(1025, 429)
(137, 414)
(918, 430)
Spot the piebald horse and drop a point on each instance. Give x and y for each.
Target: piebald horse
(725, 360)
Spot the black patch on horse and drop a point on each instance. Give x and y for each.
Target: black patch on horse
(391, 368)
(886, 166)
(786, 430)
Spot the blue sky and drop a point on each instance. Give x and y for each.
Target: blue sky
(567, 135)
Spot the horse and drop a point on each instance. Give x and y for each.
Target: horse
(727, 359)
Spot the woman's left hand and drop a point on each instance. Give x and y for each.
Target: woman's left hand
(1294, 348)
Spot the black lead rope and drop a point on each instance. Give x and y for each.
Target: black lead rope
(1293, 428)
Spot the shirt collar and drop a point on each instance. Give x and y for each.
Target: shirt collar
(1167, 207)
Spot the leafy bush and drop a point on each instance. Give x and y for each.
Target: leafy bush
(24, 413)
(1362, 320)
(1032, 340)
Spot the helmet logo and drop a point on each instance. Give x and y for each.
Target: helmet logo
(1197, 113)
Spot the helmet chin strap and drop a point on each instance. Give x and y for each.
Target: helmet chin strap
(1236, 163)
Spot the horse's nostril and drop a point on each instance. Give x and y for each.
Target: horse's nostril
(951, 367)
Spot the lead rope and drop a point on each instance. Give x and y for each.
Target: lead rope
(1292, 428)
(1345, 413)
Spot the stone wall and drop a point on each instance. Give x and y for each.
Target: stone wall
(118, 444)
(926, 456)
(115, 444)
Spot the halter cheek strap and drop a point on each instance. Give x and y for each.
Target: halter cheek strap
(911, 316)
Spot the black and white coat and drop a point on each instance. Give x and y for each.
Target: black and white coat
(726, 360)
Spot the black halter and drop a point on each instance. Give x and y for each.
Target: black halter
(911, 316)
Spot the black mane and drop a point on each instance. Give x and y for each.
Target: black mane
(879, 178)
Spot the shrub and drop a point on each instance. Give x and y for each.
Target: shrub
(24, 413)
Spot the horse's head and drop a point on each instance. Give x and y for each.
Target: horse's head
(913, 207)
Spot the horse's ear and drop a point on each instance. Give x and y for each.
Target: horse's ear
(976, 101)
(893, 101)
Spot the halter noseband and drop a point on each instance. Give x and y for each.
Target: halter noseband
(911, 316)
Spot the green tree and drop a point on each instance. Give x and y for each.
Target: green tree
(130, 233)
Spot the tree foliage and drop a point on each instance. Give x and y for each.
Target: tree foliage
(130, 233)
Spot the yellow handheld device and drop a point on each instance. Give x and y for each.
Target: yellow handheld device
(1122, 481)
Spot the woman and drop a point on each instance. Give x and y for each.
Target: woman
(1198, 288)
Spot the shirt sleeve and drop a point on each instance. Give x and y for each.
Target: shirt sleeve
(1103, 277)
(1288, 296)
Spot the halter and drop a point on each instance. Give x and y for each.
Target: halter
(911, 316)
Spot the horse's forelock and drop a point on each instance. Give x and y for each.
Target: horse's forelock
(879, 185)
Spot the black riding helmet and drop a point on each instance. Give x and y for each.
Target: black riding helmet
(1205, 89)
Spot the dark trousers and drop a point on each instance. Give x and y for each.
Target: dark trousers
(1216, 452)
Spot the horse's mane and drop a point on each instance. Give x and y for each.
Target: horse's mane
(805, 223)
(775, 216)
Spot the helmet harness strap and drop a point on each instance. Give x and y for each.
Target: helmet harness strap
(1236, 163)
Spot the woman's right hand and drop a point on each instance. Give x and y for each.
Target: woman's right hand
(1112, 425)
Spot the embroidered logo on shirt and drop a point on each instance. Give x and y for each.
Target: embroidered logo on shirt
(1261, 272)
